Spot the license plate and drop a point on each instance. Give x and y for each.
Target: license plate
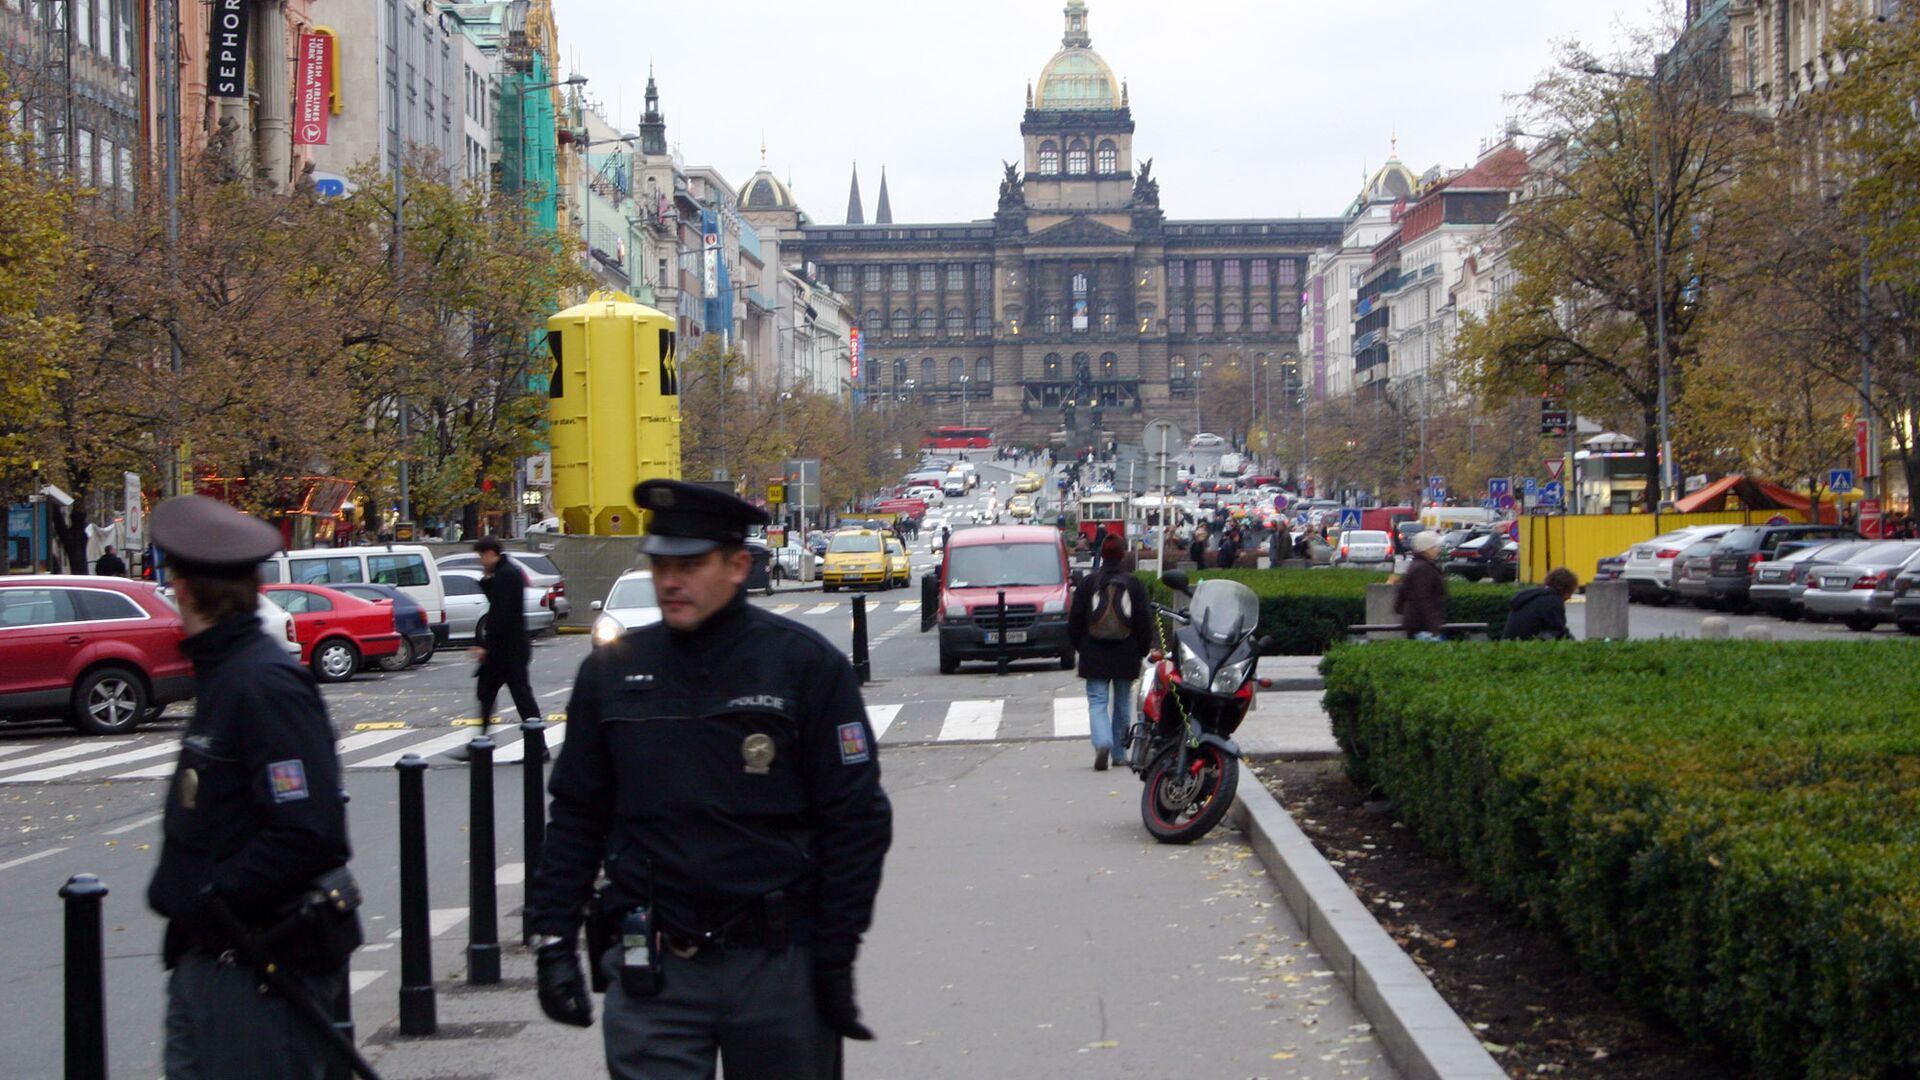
(1014, 637)
(1834, 582)
(1772, 575)
(1642, 553)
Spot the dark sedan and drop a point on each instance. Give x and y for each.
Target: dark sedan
(409, 618)
(1906, 602)
(1491, 557)
(1730, 575)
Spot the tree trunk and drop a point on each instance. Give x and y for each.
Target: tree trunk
(70, 528)
(1650, 427)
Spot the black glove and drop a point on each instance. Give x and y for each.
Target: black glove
(833, 995)
(563, 987)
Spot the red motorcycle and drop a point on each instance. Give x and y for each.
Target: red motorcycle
(1196, 697)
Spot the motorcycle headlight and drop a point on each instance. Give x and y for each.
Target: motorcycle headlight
(1229, 678)
(1193, 670)
(606, 631)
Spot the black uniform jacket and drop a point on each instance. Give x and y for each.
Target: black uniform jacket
(254, 811)
(708, 769)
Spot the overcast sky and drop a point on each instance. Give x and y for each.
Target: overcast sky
(1248, 108)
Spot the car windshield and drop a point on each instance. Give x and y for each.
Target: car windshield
(989, 566)
(635, 592)
(1885, 554)
(1223, 610)
(854, 544)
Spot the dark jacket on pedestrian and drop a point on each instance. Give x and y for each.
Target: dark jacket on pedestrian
(508, 647)
(1536, 614)
(1422, 600)
(1198, 552)
(109, 565)
(254, 813)
(1229, 552)
(1103, 659)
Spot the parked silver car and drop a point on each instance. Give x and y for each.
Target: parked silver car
(1779, 584)
(540, 570)
(466, 605)
(1851, 592)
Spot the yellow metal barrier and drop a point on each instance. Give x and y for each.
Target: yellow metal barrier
(1579, 541)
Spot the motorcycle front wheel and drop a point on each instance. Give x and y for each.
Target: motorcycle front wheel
(1181, 806)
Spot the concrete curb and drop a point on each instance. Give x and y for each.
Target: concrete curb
(1422, 1035)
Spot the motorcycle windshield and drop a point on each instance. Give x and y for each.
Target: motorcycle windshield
(1224, 610)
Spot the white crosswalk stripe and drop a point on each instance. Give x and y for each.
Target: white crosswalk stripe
(14, 749)
(971, 721)
(1070, 718)
(895, 723)
(821, 609)
(908, 605)
(881, 717)
(782, 609)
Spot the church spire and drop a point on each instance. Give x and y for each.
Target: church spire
(653, 126)
(855, 214)
(883, 211)
(1076, 36)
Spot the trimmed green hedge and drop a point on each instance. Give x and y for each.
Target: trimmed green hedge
(1308, 611)
(1728, 831)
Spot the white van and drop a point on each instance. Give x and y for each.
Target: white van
(1442, 518)
(407, 567)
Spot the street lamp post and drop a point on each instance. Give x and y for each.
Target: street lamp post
(1667, 476)
(963, 399)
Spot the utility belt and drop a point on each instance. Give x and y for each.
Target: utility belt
(772, 921)
(317, 933)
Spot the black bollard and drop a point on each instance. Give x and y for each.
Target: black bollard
(483, 942)
(86, 993)
(1001, 611)
(416, 946)
(862, 666)
(534, 806)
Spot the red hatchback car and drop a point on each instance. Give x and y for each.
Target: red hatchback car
(103, 652)
(337, 633)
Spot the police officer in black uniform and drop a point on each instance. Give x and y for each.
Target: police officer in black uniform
(253, 817)
(722, 773)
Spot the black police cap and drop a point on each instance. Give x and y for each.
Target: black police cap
(207, 537)
(692, 520)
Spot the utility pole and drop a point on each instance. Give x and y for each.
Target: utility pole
(399, 150)
(166, 45)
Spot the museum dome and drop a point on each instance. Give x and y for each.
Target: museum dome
(1077, 78)
(764, 191)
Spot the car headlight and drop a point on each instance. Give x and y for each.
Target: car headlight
(1229, 678)
(1193, 670)
(1054, 607)
(956, 611)
(606, 630)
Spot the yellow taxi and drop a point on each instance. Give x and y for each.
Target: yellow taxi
(1020, 507)
(899, 569)
(855, 557)
(1028, 484)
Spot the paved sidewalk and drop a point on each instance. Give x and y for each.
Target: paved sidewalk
(1288, 721)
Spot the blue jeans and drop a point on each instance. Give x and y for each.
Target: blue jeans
(1109, 712)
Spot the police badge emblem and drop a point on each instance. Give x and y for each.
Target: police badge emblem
(757, 751)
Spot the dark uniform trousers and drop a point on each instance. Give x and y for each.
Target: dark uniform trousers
(753, 1006)
(220, 1026)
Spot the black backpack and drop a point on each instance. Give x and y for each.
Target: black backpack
(1110, 617)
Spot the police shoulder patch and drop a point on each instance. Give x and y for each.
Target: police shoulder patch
(287, 780)
(853, 743)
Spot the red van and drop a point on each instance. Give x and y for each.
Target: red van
(1028, 563)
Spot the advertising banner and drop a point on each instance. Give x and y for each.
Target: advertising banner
(227, 49)
(853, 349)
(313, 90)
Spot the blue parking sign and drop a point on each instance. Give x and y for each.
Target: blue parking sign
(1530, 487)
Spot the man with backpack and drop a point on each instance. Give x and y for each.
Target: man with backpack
(1111, 626)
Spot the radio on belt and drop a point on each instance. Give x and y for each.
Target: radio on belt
(640, 974)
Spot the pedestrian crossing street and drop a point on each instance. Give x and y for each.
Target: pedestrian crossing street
(151, 756)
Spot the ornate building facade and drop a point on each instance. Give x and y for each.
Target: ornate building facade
(1077, 294)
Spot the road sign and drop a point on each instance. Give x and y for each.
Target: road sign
(1553, 493)
(1349, 519)
(1556, 466)
(776, 494)
(1504, 502)
(1279, 501)
(1164, 442)
(1553, 418)
(1498, 486)
(1530, 488)
(1840, 481)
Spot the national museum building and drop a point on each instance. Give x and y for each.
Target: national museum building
(1077, 289)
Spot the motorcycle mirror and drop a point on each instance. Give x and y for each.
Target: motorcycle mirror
(1265, 645)
(1175, 580)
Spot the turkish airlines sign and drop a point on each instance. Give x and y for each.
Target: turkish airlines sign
(313, 90)
(227, 49)
(853, 341)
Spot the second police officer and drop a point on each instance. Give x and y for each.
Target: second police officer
(722, 773)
